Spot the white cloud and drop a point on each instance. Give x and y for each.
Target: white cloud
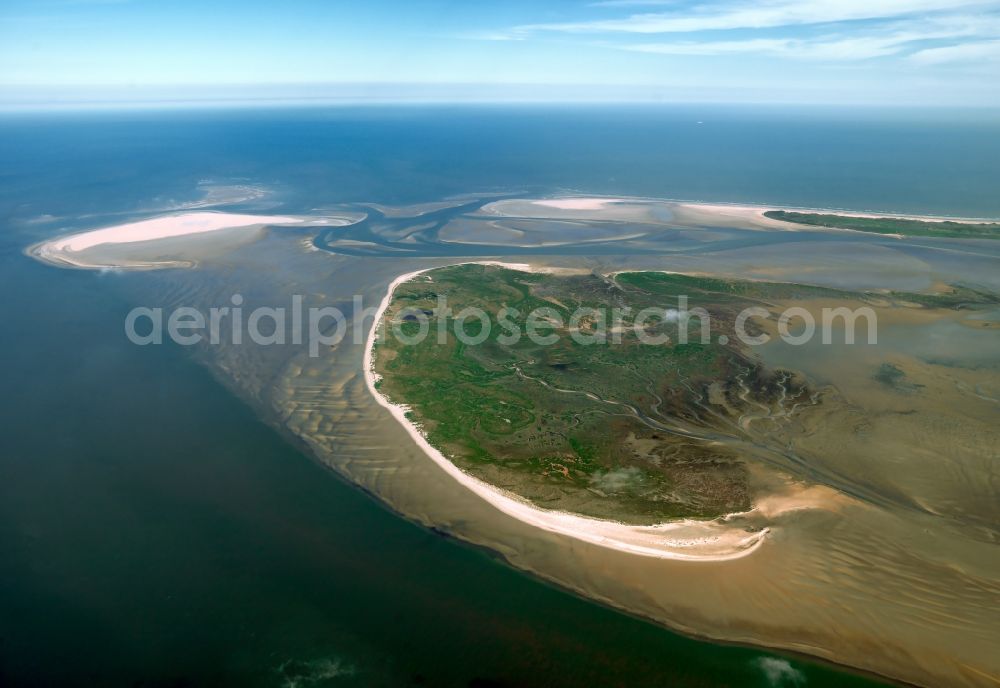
(837, 49)
(759, 15)
(919, 32)
(980, 51)
(897, 37)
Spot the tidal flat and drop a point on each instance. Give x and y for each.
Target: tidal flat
(881, 552)
(641, 420)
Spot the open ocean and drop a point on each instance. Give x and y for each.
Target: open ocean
(155, 532)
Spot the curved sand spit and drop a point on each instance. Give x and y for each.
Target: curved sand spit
(687, 539)
(165, 228)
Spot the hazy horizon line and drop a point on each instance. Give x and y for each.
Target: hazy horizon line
(26, 97)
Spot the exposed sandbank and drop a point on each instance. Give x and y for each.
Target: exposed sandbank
(578, 203)
(753, 212)
(122, 246)
(166, 227)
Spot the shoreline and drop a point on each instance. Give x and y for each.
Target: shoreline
(71, 250)
(723, 541)
(600, 203)
(757, 211)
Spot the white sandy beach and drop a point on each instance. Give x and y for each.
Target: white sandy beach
(166, 227)
(578, 203)
(735, 210)
(755, 214)
(685, 540)
(146, 243)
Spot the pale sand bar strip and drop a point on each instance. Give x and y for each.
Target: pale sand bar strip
(736, 209)
(578, 203)
(165, 228)
(117, 246)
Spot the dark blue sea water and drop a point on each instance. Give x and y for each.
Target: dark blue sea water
(154, 532)
(68, 164)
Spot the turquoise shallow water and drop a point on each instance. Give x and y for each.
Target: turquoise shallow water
(154, 532)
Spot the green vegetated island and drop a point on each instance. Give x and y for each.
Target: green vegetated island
(892, 225)
(622, 429)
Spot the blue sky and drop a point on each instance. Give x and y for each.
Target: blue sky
(810, 51)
